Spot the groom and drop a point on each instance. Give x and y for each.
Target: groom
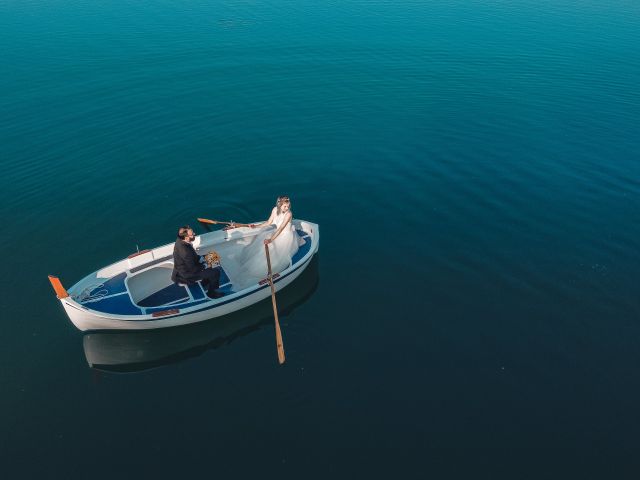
(187, 267)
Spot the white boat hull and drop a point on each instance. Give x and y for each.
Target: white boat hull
(84, 318)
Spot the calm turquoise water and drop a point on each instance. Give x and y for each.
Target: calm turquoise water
(473, 166)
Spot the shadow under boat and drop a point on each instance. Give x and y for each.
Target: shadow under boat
(142, 350)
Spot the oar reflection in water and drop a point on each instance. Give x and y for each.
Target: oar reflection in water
(137, 351)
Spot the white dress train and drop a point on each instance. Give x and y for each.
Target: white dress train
(246, 264)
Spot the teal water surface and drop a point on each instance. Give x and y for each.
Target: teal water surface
(474, 170)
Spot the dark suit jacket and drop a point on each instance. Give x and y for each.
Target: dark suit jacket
(186, 262)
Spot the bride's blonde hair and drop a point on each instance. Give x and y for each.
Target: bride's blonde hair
(281, 201)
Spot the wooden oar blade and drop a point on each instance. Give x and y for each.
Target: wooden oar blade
(206, 220)
(279, 345)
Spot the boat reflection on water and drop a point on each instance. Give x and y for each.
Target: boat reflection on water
(142, 350)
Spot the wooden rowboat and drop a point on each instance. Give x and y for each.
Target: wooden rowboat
(136, 293)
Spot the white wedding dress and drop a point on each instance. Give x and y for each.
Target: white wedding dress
(245, 261)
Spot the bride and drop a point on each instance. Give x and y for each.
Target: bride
(247, 264)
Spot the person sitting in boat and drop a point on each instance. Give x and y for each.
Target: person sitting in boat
(249, 265)
(187, 267)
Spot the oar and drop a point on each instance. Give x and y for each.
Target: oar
(275, 309)
(218, 222)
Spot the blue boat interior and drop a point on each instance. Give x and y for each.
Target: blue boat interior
(172, 293)
(302, 249)
(113, 297)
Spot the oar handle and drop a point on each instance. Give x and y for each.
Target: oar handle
(220, 222)
(213, 222)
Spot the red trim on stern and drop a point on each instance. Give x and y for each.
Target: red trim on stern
(266, 280)
(165, 312)
(141, 252)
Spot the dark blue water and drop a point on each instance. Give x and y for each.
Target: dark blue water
(474, 169)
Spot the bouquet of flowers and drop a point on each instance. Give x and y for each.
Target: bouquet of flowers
(212, 258)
